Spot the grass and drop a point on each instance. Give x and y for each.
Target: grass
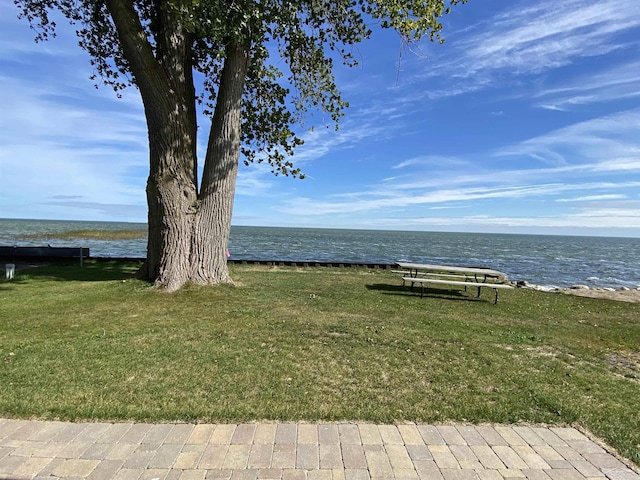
(314, 344)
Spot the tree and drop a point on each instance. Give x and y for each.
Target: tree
(163, 46)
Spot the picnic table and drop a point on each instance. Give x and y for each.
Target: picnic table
(443, 275)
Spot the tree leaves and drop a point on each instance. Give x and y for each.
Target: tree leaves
(303, 37)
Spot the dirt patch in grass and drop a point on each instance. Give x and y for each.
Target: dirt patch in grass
(627, 364)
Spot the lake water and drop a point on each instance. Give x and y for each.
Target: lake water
(545, 260)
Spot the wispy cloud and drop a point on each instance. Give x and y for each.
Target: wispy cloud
(616, 83)
(527, 39)
(591, 198)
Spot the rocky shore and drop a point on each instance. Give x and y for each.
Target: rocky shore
(623, 294)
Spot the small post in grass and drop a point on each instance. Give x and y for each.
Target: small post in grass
(10, 270)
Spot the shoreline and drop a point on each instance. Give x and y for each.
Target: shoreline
(623, 294)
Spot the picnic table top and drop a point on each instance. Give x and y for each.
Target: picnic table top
(451, 268)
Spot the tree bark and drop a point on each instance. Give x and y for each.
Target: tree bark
(213, 221)
(188, 232)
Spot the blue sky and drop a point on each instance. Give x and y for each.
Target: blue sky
(527, 120)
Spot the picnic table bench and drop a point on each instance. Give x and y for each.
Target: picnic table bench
(441, 275)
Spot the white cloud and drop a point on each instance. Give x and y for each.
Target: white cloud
(591, 198)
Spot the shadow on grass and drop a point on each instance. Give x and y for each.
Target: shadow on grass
(91, 271)
(428, 292)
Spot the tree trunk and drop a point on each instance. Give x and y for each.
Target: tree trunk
(188, 233)
(213, 220)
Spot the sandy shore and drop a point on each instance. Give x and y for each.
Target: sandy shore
(619, 295)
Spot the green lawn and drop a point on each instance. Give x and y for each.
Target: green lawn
(314, 344)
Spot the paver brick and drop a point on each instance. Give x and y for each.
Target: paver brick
(179, 434)
(114, 433)
(121, 451)
(390, 435)
(284, 455)
(536, 475)
(419, 452)
(621, 474)
(586, 468)
(509, 457)
(431, 435)
(157, 434)
(369, 434)
(212, 457)
(243, 434)
(528, 435)
(307, 434)
(451, 435)
(219, 474)
(604, 460)
(222, 434)
(287, 433)
(548, 436)
(31, 467)
(547, 452)
(399, 457)
(328, 434)
(531, 458)
(491, 435)
(128, 474)
(307, 456)
(510, 436)
(487, 457)
(410, 434)
(265, 434)
(330, 457)
(165, 456)
(454, 474)
(471, 435)
(260, 456)
(567, 433)
(136, 433)
(320, 475)
(270, 473)
(378, 461)
(97, 451)
(201, 434)
(188, 459)
(290, 474)
(356, 474)
(106, 470)
(489, 475)
(193, 475)
(139, 459)
(353, 456)
(565, 474)
(568, 453)
(405, 474)
(443, 457)
(465, 456)
(349, 434)
(74, 467)
(510, 474)
(427, 470)
(237, 456)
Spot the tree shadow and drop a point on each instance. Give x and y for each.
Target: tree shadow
(407, 291)
(90, 271)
